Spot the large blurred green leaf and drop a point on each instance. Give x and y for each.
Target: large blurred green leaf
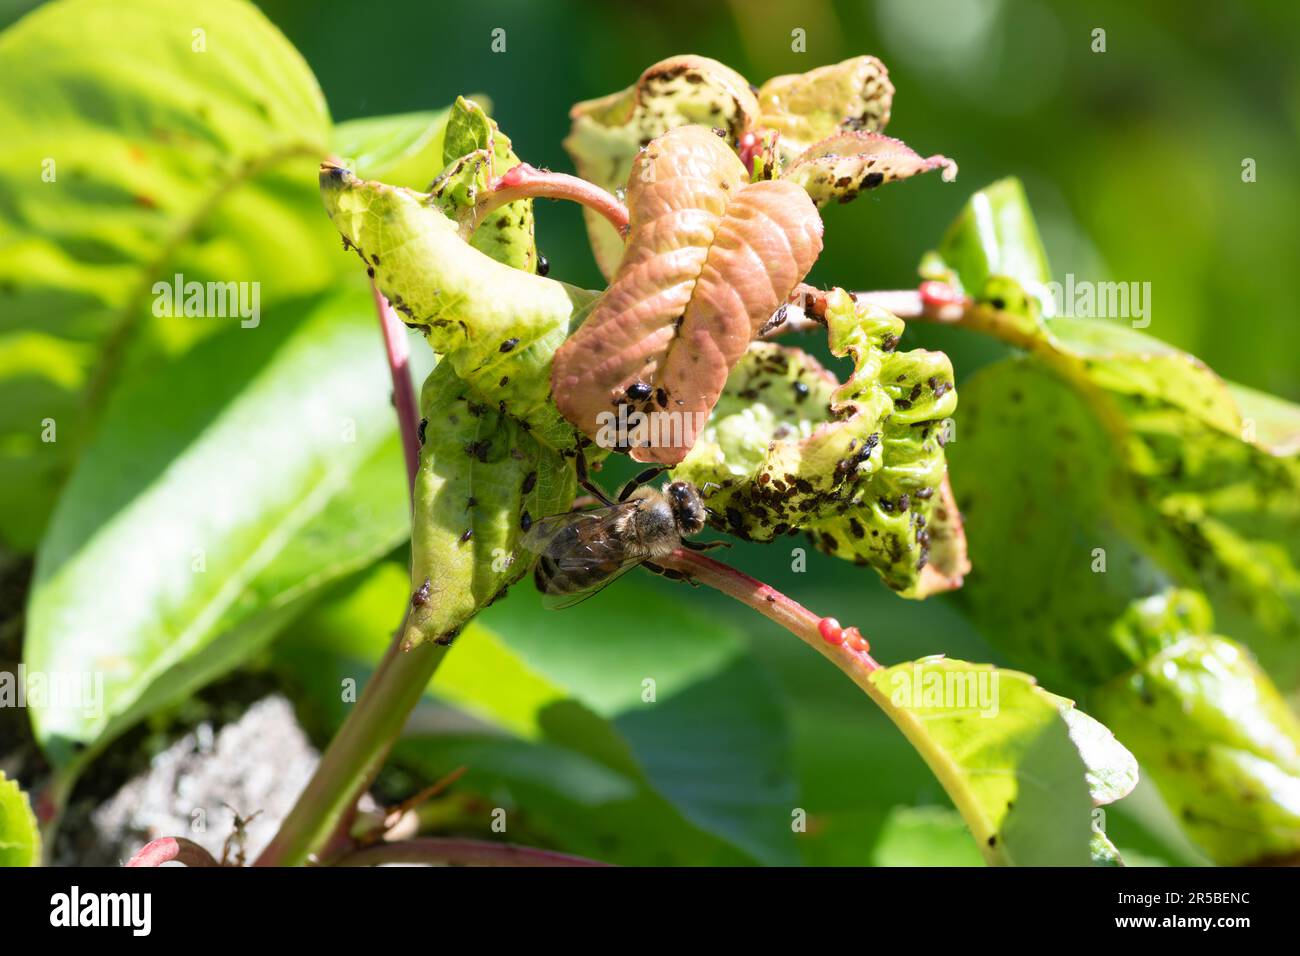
(551, 718)
(1075, 575)
(1199, 476)
(1220, 741)
(216, 497)
(1039, 524)
(20, 837)
(142, 139)
(1145, 483)
(731, 780)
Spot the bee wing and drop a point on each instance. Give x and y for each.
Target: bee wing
(583, 550)
(559, 601)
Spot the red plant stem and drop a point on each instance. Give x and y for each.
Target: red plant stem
(408, 413)
(320, 821)
(772, 604)
(453, 851)
(168, 849)
(317, 826)
(527, 182)
(909, 304)
(904, 303)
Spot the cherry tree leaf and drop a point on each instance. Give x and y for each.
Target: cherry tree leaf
(1217, 737)
(841, 166)
(608, 132)
(859, 467)
(1002, 748)
(1151, 491)
(498, 326)
(403, 149)
(1112, 770)
(496, 453)
(1206, 470)
(709, 258)
(127, 161)
(832, 115)
(483, 478)
(805, 108)
(1268, 422)
(1104, 853)
(994, 235)
(475, 151)
(1077, 577)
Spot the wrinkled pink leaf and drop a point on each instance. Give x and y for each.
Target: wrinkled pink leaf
(709, 258)
(841, 166)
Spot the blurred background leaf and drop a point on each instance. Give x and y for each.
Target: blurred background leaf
(214, 499)
(1137, 481)
(404, 150)
(141, 140)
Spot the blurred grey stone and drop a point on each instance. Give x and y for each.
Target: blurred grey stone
(192, 789)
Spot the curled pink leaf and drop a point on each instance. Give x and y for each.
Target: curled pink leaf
(709, 258)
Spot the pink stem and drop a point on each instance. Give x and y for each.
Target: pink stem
(932, 302)
(454, 851)
(167, 849)
(320, 821)
(844, 646)
(408, 413)
(527, 182)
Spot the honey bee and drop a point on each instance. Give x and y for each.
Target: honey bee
(580, 552)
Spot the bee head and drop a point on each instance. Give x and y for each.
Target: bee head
(687, 505)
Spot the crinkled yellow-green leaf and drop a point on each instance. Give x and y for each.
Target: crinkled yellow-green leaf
(857, 466)
(483, 479)
(474, 153)
(495, 450)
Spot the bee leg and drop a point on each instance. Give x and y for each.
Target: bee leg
(672, 574)
(704, 545)
(633, 484)
(584, 479)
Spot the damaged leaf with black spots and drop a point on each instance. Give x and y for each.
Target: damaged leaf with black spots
(858, 467)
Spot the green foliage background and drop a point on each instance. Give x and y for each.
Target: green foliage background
(1132, 162)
